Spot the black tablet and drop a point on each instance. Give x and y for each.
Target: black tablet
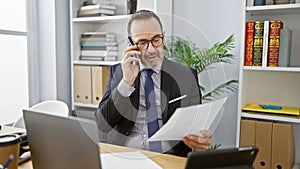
(230, 158)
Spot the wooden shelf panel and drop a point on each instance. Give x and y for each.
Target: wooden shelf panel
(95, 63)
(273, 117)
(102, 19)
(274, 9)
(86, 105)
(278, 69)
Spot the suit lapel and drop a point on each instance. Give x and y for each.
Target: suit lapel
(135, 97)
(166, 86)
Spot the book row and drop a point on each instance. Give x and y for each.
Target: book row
(98, 46)
(270, 2)
(96, 10)
(267, 44)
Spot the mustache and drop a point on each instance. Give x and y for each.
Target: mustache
(153, 53)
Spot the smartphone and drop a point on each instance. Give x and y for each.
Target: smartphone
(131, 43)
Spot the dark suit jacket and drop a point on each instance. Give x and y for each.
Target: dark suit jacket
(116, 114)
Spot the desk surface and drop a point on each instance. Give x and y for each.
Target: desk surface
(166, 161)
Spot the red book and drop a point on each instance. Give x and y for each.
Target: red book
(249, 41)
(274, 34)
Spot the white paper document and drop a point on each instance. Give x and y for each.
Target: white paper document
(189, 120)
(127, 160)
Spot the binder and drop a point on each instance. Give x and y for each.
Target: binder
(247, 133)
(263, 140)
(283, 146)
(82, 84)
(99, 81)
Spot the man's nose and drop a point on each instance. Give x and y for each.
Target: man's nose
(150, 46)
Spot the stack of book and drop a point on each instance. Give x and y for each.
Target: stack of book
(96, 10)
(268, 2)
(267, 44)
(98, 46)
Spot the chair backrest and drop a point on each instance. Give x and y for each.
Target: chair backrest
(53, 107)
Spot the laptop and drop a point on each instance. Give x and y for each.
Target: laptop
(62, 142)
(230, 158)
(72, 143)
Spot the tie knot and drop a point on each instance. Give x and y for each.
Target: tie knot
(148, 72)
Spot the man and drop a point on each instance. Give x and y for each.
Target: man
(126, 112)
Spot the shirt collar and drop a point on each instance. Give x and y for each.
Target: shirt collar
(155, 69)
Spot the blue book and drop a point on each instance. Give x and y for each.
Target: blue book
(259, 2)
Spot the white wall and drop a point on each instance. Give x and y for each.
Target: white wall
(63, 56)
(54, 50)
(47, 48)
(205, 23)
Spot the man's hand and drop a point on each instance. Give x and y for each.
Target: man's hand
(130, 71)
(199, 142)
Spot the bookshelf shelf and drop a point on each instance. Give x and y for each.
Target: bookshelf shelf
(85, 105)
(95, 63)
(275, 69)
(272, 117)
(274, 9)
(102, 19)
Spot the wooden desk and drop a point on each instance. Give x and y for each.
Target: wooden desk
(166, 161)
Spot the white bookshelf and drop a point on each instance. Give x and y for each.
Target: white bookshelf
(272, 85)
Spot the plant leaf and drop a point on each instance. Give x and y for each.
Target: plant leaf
(228, 87)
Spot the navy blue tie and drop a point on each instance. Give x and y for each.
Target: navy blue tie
(152, 119)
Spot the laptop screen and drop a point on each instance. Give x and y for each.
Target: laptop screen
(230, 158)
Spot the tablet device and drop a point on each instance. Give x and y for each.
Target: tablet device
(230, 158)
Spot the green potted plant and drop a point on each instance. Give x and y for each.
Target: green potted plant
(185, 52)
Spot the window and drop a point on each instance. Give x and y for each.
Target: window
(14, 59)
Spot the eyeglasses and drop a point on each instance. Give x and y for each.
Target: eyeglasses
(156, 41)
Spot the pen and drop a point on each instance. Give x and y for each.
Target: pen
(176, 99)
(8, 161)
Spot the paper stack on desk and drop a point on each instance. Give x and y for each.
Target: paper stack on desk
(189, 120)
(127, 160)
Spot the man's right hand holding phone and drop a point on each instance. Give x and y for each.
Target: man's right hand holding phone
(130, 70)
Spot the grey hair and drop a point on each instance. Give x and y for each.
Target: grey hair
(142, 15)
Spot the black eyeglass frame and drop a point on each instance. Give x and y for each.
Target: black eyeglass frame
(160, 36)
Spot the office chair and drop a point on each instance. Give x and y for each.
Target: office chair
(54, 107)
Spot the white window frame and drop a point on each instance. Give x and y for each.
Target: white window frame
(32, 51)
